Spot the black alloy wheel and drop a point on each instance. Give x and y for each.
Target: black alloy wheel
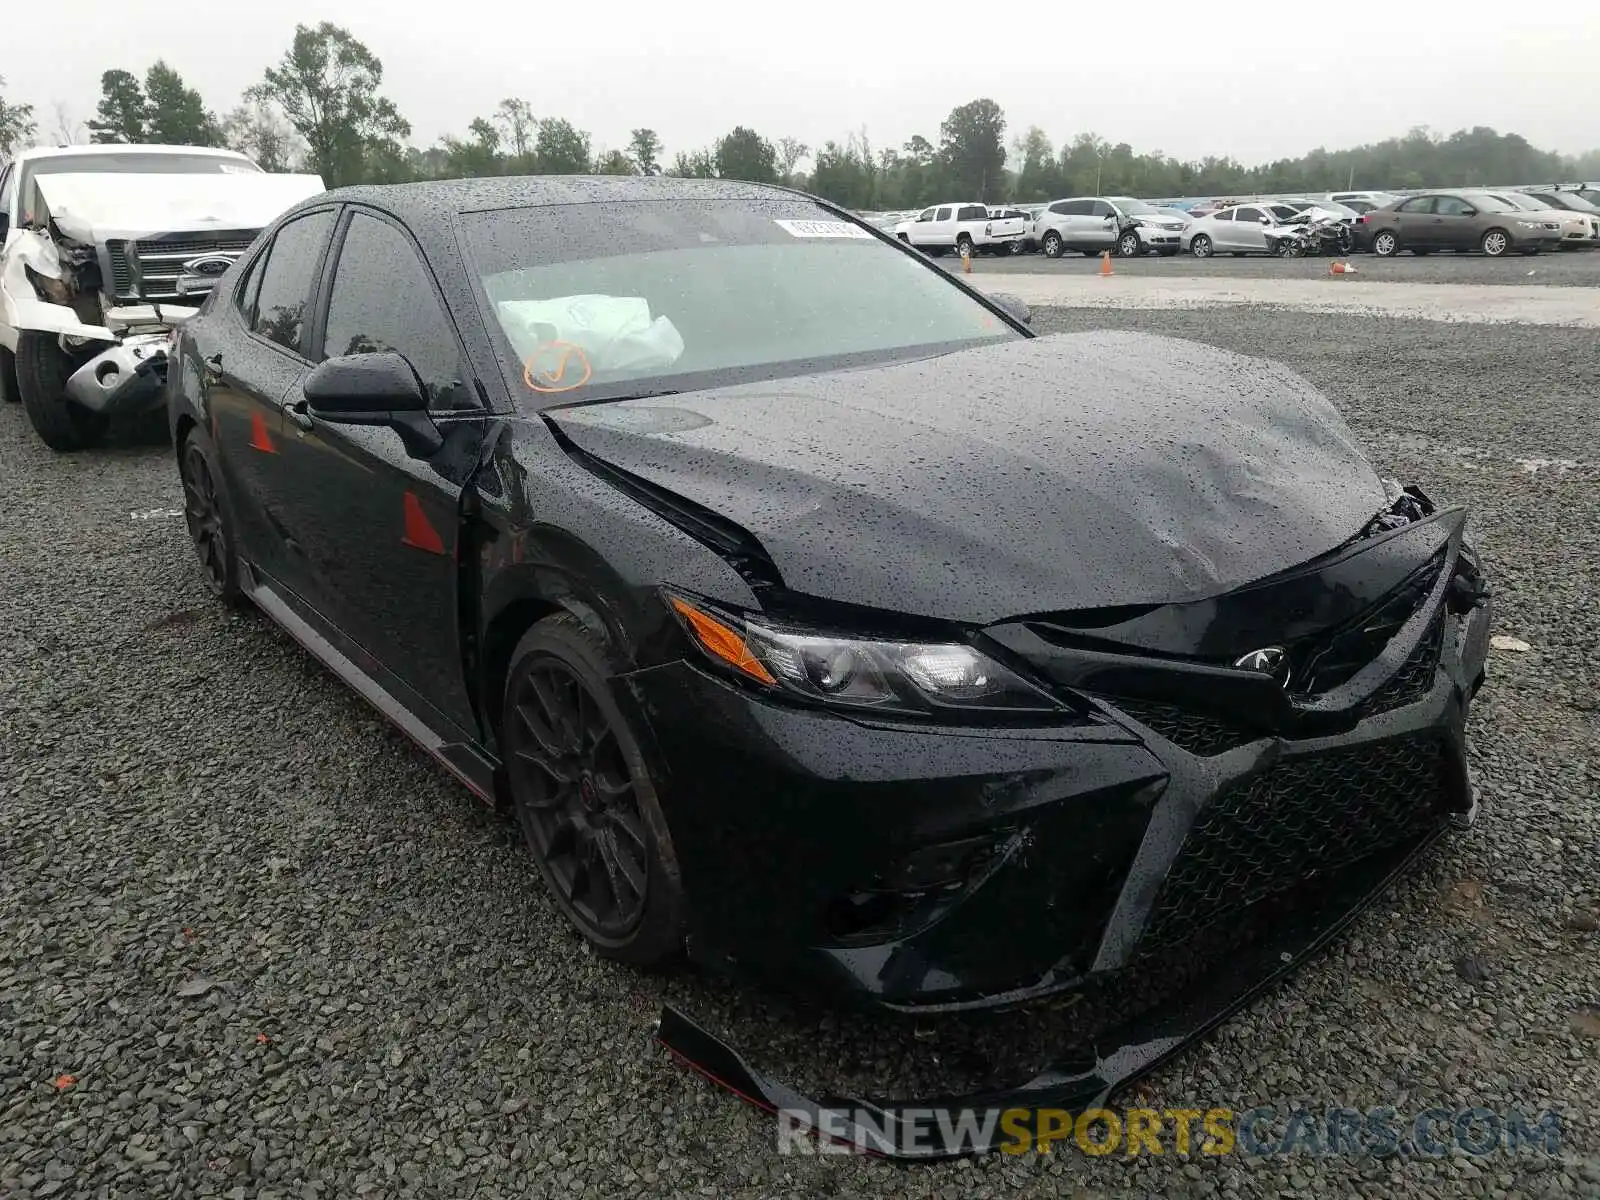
(578, 799)
(204, 513)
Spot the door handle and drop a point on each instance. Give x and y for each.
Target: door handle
(299, 414)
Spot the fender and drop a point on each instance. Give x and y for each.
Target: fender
(20, 307)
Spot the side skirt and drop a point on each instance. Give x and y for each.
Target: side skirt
(465, 760)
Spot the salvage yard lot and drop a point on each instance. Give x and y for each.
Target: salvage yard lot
(388, 1004)
(1567, 268)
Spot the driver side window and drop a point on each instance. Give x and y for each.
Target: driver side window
(925, 215)
(383, 299)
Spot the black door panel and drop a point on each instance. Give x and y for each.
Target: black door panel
(371, 526)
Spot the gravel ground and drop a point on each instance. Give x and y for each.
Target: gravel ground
(1568, 268)
(253, 944)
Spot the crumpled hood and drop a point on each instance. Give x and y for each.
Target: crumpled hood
(1039, 475)
(105, 206)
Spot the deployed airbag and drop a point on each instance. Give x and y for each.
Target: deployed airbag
(615, 332)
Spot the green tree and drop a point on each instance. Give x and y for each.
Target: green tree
(16, 124)
(790, 152)
(256, 129)
(516, 121)
(744, 154)
(123, 110)
(1038, 177)
(972, 149)
(174, 114)
(561, 149)
(327, 86)
(615, 162)
(478, 155)
(644, 147)
(699, 164)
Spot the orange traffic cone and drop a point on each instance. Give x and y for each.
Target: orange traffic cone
(1105, 263)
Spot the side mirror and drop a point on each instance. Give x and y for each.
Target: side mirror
(379, 388)
(1469, 212)
(1013, 305)
(364, 384)
(1266, 220)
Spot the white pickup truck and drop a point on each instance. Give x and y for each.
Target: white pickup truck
(103, 251)
(968, 228)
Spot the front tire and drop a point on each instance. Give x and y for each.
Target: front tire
(42, 372)
(8, 377)
(584, 796)
(1200, 247)
(1129, 245)
(1495, 242)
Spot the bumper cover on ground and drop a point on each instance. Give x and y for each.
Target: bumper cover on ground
(900, 1128)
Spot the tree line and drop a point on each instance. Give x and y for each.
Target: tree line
(321, 108)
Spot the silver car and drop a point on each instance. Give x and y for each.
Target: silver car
(1240, 230)
(1093, 224)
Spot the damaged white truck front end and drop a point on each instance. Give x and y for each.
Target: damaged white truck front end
(91, 289)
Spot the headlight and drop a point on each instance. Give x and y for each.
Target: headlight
(918, 678)
(1529, 224)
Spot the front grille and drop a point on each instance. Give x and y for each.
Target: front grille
(1339, 657)
(1413, 680)
(149, 271)
(1197, 732)
(1313, 815)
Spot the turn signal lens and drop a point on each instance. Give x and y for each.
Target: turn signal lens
(719, 641)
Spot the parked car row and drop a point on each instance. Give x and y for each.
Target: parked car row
(1493, 221)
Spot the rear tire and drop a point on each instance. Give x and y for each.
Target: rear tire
(209, 516)
(1385, 244)
(1200, 247)
(8, 377)
(42, 372)
(584, 798)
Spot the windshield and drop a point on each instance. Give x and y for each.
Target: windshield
(1484, 202)
(1520, 202)
(142, 164)
(605, 300)
(1134, 208)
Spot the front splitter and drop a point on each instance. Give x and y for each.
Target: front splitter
(899, 1129)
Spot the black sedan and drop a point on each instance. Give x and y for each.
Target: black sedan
(813, 614)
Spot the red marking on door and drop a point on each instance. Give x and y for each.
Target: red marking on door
(420, 532)
(260, 439)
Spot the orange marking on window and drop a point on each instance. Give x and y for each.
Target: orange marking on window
(550, 367)
(260, 439)
(420, 532)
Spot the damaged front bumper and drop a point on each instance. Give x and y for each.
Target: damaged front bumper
(934, 872)
(953, 1126)
(128, 377)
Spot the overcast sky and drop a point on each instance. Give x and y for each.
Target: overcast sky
(1221, 81)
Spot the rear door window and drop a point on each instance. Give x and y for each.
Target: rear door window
(1248, 214)
(283, 297)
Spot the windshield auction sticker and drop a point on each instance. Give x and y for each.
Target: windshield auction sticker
(822, 229)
